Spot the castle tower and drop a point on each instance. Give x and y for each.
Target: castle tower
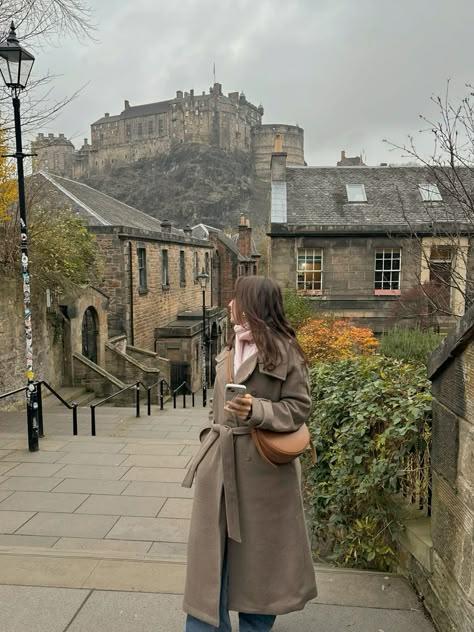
(264, 138)
(54, 154)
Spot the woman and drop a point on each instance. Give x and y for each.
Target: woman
(248, 547)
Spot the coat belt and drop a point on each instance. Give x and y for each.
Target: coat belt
(225, 434)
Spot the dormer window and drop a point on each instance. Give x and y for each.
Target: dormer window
(430, 193)
(356, 193)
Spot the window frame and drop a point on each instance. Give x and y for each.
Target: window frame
(165, 272)
(427, 189)
(312, 291)
(182, 268)
(142, 269)
(195, 266)
(391, 291)
(362, 189)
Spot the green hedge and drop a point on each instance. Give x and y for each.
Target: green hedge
(369, 414)
(412, 345)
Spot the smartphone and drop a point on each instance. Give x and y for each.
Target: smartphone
(234, 390)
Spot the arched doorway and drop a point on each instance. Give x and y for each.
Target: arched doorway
(90, 332)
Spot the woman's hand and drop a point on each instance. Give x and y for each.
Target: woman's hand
(241, 407)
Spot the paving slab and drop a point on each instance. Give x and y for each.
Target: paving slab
(10, 521)
(34, 469)
(152, 448)
(159, 577)
(92, 458)
(121, 505)
(169, 549)
(24, 456)
(190, 450)
(176, 508)
(4, 453)
(30, 484)
(160, 490)
(178, 435)
(4, 494)
(95, 472)
(104, 447)
(362, 589)
(154, 529)
(28, 541)
(38, 609)
(7, 467)
(42, 501)
(158, 474)
(91, 486)
(70, 525)
(46, 445)
(150, 460)
(32, 570)
(99, 544)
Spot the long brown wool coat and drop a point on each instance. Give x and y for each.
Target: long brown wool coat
(256, 507)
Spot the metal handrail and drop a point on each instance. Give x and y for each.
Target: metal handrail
(18, 390)
(148, 389)
(135, 386)
(187, 391)
(72, 406)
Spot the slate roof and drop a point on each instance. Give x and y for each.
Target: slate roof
(99, 209)
(138, 110)
(203, 231)
(317, 196)
(253, 246)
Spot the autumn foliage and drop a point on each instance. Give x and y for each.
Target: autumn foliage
(8, 185)
(329, 340)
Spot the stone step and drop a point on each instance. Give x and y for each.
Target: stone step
(147, 574)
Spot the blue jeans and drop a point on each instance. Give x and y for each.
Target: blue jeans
(247, 622)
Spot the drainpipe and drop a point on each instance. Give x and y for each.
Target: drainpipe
(130, 268)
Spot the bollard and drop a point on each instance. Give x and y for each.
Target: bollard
(161, 395)
(93, 420)
(148, 394)
(137, 398)
(74, 419)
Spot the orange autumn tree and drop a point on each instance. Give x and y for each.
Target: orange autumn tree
(329, 340)
(8, 185)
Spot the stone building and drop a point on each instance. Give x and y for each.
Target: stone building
(54, 154)
(346, 161)
(439, 550)
(149, 277)
(234, 256)
(355, 239)
(229, 122)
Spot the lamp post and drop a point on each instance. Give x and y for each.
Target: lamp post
(203, 278)
(15, 67)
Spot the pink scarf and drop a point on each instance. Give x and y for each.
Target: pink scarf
(244, 345)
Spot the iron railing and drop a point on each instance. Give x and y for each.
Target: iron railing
(135, 386)
(72, 406)
(184, 387)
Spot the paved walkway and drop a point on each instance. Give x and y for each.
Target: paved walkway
(93, 534)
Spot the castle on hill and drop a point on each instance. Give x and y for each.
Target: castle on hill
(229, 122)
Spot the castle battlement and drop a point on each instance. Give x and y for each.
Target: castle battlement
(143, 131)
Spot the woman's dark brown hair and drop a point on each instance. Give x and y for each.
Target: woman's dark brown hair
(258, 303)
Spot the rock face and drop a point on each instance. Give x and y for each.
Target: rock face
(191, 184)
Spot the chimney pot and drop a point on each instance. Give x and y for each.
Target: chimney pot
(188, 230)
(107, 115)
(179, 94)
(166, 226)
(127, 104)
(50, 135)
(343, 155)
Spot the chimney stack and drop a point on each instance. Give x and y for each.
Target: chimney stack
(166, 226)
(245, 236)
(127, 104)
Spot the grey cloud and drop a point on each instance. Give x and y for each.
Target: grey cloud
(351, 72)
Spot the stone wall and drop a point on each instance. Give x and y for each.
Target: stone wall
(47, 349)
(449, 587)
(156, 304)
(348, 274)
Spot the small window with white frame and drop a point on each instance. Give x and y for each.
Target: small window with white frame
(430, 193)
(356, 193)
(309, 272)
(387, 271)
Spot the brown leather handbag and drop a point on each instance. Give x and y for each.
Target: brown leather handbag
(278, 448)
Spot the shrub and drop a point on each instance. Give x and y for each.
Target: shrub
(298, 309)
(330, 340)
(412, 345)
(369, 414)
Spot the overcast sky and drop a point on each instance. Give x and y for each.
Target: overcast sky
(350, 72)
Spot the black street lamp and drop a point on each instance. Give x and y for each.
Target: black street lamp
(15, 67)
(203, 278)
